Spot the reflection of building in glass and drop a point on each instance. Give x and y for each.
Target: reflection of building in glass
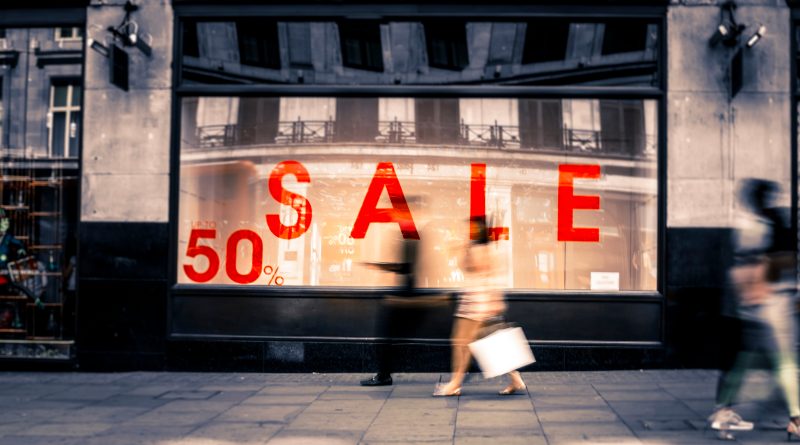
(535, 52)
(41, 112)
(622, 128)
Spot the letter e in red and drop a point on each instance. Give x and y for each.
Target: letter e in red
(568, 202)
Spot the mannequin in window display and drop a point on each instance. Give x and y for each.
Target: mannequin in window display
(11, 249)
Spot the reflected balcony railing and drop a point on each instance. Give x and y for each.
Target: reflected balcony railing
(395, 132)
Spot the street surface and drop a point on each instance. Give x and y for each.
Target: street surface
(618, 407)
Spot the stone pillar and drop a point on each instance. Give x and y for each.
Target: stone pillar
(714, 141)
(124, 232)
(126, 139)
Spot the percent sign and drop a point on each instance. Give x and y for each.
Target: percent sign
(273, 275)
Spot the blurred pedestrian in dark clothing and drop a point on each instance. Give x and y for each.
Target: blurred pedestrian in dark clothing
(392, 315)
(759, 307)
(480, 302)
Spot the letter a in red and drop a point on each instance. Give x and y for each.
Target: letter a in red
(568, 201)
(385, 177)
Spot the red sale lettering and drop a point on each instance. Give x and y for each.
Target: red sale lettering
(297, 202)
(197, 250)
(568, 201)
(255, 262)
(477, 202)
(385, 177)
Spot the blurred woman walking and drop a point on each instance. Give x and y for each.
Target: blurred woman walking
(480, 302)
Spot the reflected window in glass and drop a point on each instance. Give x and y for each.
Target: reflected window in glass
(361, 45)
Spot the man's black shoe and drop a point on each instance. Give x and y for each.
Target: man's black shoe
(377, 380)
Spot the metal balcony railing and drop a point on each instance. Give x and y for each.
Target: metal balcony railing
(395, 132)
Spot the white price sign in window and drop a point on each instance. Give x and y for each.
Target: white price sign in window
(604, 281)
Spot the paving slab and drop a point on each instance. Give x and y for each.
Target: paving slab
(315, 437)
(65, 429)
(99, 413)
(155, 418)
(239, 433)
(577, 415)
(277, 399)
(637, 395)
(261, 413)
(42, 440)
(440, 434)
(500, 438)
(579, 429)
(331, 422)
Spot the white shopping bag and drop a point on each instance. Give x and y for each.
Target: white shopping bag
(502, 352)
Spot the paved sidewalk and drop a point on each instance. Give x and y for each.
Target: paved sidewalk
(619, 407)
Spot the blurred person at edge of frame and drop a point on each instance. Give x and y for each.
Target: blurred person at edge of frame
(480, 303)
(759, 306)
(405, 308)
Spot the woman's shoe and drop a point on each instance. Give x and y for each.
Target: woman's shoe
(793, 430)
(511, 389)
(441, 392)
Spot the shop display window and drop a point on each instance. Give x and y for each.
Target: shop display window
(281, 187)
(294, 207)
(39, 192)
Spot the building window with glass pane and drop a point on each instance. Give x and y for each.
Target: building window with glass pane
(64, 119)
(74, 33)
(447, 45)
(361, 45)
(258, 44)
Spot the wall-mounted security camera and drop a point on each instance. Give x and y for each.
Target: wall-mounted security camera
(728, 30)
(99, 47)
(727, 33)
(755, 38)
(127, 32)
(719, 35)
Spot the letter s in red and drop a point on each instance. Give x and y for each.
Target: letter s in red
(299, 203)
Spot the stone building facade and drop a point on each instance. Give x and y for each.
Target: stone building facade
(222, 118)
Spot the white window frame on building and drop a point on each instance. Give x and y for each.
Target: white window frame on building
(75, 34)
(70, 110)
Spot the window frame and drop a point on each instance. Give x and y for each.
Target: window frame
(657, 14)
(794, 88)
(365, 45)
(69, 110)
(76, 34)
(456, 50)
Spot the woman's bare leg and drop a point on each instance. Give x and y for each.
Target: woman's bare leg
(464, 332)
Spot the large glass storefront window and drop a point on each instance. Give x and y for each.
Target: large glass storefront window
(292, 190)
(40, 72)
(307, 190)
